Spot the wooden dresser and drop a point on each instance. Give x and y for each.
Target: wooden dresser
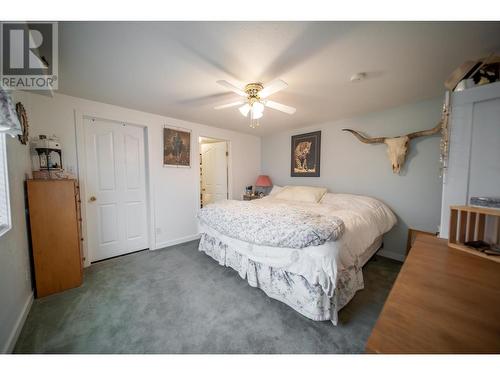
(443, 301)
(54, 214)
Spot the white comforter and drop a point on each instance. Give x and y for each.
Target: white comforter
(275, 223)
(365, 219)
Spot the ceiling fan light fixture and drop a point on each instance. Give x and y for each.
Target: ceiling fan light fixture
(256, 99)
(256, 115)
(244, 109)
(257, 109)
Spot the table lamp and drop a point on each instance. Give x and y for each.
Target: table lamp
(263, 181)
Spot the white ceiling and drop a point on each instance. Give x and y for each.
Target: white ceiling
(171, 68)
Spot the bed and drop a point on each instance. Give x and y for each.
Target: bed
(306, 253)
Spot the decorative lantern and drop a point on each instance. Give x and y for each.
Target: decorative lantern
(49, 153)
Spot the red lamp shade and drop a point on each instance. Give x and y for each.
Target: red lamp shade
(263, 181)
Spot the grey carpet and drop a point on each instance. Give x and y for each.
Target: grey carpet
(178, 300)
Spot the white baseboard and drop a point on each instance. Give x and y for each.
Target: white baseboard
(391, 255)
(16, 330)
(177, 241)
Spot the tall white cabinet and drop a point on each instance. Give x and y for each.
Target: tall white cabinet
(474, 153)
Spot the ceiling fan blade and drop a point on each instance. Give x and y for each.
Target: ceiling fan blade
(232, 87)
(280, 107)
(229, 105)
(272, 87)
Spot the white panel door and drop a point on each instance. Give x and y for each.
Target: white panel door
(214, 172)
(207, 168)
(115, 189)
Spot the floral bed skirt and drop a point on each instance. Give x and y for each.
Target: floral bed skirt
(289, 288)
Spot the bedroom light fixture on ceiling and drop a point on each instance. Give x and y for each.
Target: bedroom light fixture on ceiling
(256, 109)
(256, 99)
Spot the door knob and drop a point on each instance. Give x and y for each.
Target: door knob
(92, 199)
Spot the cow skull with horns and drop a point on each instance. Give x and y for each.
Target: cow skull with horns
(397, 147)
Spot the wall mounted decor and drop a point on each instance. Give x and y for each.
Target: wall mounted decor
(397, 147)
(445, 136)
(23, 120)
(176, 147)
(49, 152)
(305, 155)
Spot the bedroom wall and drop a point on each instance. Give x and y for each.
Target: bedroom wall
(175, 192)
(15, 279)
(349, 166)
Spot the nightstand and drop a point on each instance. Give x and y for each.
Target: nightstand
(247, 197)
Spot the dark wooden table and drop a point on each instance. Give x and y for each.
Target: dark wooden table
(443, 301)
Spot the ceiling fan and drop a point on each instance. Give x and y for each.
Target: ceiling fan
(255, 99)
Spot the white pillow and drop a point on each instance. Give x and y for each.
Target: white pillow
(328, 198)
(276, 189)
(301, 193)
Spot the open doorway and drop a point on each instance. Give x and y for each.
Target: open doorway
(214, 168)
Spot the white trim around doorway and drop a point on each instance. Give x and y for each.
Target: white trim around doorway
(229, 166)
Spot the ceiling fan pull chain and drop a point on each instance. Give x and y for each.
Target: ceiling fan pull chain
(254, 122)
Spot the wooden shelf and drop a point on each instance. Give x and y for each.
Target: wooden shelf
(476, 209)
(470, 250)
(468, 223)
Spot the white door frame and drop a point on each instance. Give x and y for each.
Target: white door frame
(229, 167)
(82, 177)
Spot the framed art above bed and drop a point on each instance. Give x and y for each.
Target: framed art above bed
(306, 154)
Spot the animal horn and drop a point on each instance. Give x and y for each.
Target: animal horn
(422, 133)
(365, 139)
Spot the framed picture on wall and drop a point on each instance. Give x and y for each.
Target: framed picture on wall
(176, 147)
(305, 154)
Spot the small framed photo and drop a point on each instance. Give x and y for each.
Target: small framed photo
(305, 154)
(176, 147)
